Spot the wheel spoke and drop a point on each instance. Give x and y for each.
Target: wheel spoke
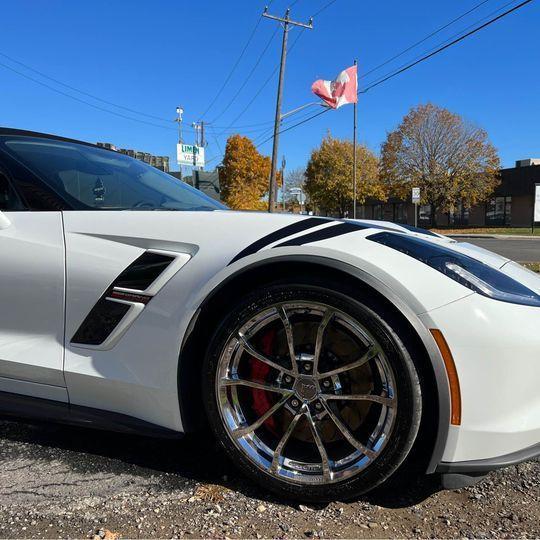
(250, 350)
(237, 381)
(366, 357)
(290, 340)
(329, 314)
(347, 434)
(283, 441)
(386, 401)
(243, 431)
(327, 473)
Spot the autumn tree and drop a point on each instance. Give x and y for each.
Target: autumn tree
(244, 175)
(329, 176)
(448, 158)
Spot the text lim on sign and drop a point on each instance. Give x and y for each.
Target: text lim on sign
(190, 154)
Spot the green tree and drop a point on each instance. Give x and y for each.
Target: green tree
(244, 175)
(448, 158)
(329, 176)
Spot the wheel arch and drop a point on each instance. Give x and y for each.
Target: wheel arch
(265, 271)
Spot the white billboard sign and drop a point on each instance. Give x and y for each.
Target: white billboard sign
(415, 195)
(190, 154)
(537, 203)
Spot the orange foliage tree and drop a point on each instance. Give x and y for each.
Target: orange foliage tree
(244, 175)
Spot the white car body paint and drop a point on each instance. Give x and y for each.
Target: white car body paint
(32, 305)
(137, 374)
(496, 349)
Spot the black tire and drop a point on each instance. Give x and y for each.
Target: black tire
(407, 418)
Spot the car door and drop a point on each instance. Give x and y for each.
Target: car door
(32, 275)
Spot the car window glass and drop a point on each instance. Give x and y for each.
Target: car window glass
(95, 178)
(8, 197)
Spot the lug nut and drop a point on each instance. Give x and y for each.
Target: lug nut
(318, 406)
(307, 367)
(295, 403)
(288, 379)
(326, 384)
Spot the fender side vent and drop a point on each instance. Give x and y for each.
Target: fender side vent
(142, 272)
(100, 322)
(116, 302)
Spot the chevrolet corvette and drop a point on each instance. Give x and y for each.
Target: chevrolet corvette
(327, 356)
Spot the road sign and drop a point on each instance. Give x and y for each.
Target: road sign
(537, 203)
(190, 154)
(415, 195)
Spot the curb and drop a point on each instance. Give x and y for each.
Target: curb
(495, 236)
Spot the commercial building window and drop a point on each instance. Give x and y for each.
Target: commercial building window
(459, 216)
(424, 214)
(378, 211)
(499, 211)
(400, 213)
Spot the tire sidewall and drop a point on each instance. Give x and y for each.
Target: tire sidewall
(409, 410)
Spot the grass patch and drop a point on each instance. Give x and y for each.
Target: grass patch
(526, 231)
(535, 267)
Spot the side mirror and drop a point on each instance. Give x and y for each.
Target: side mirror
(4, 221)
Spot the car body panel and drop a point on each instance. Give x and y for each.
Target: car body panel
(496, 350)
(138, 375)
(32, 300)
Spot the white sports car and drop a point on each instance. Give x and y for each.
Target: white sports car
(328, 355)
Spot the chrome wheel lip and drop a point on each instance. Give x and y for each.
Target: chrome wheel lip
(269, 460)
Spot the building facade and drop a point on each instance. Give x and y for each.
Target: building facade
(511, 204)
(159, 162)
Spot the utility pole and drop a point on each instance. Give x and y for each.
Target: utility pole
(286, 22)
(178, 120)
(354, 154)
(283, 165)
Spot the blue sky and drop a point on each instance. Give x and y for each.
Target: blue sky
(153, 56)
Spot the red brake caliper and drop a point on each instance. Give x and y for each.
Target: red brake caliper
(259, 371)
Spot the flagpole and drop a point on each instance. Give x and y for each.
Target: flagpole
(354, 156)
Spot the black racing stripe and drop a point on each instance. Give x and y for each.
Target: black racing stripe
(323, 234)
(294, 228)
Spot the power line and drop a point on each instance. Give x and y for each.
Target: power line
(262, 87)
(97, 98)
(296, 125)
(444, 47)
(324, 7)
(250, 74)
(274, 71)
(435, 32)
(477, 22)
(75, 98)
(231, 72)
(412, 64)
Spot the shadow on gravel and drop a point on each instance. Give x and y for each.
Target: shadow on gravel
(194, 458)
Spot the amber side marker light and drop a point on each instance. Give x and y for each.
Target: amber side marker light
(455, 392)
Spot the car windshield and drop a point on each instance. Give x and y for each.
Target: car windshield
(90, 178)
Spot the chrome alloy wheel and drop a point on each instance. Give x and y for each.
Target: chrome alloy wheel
(306, 393)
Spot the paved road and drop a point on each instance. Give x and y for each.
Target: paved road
(523, 250)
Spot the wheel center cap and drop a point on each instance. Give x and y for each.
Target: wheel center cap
(306, 388)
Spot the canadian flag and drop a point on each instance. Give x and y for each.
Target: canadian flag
(339, 92)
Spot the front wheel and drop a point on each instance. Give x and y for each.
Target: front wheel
(311, 393)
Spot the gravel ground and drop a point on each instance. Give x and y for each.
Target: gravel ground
(64, 482)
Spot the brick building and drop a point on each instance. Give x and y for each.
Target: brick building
(511, 204)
